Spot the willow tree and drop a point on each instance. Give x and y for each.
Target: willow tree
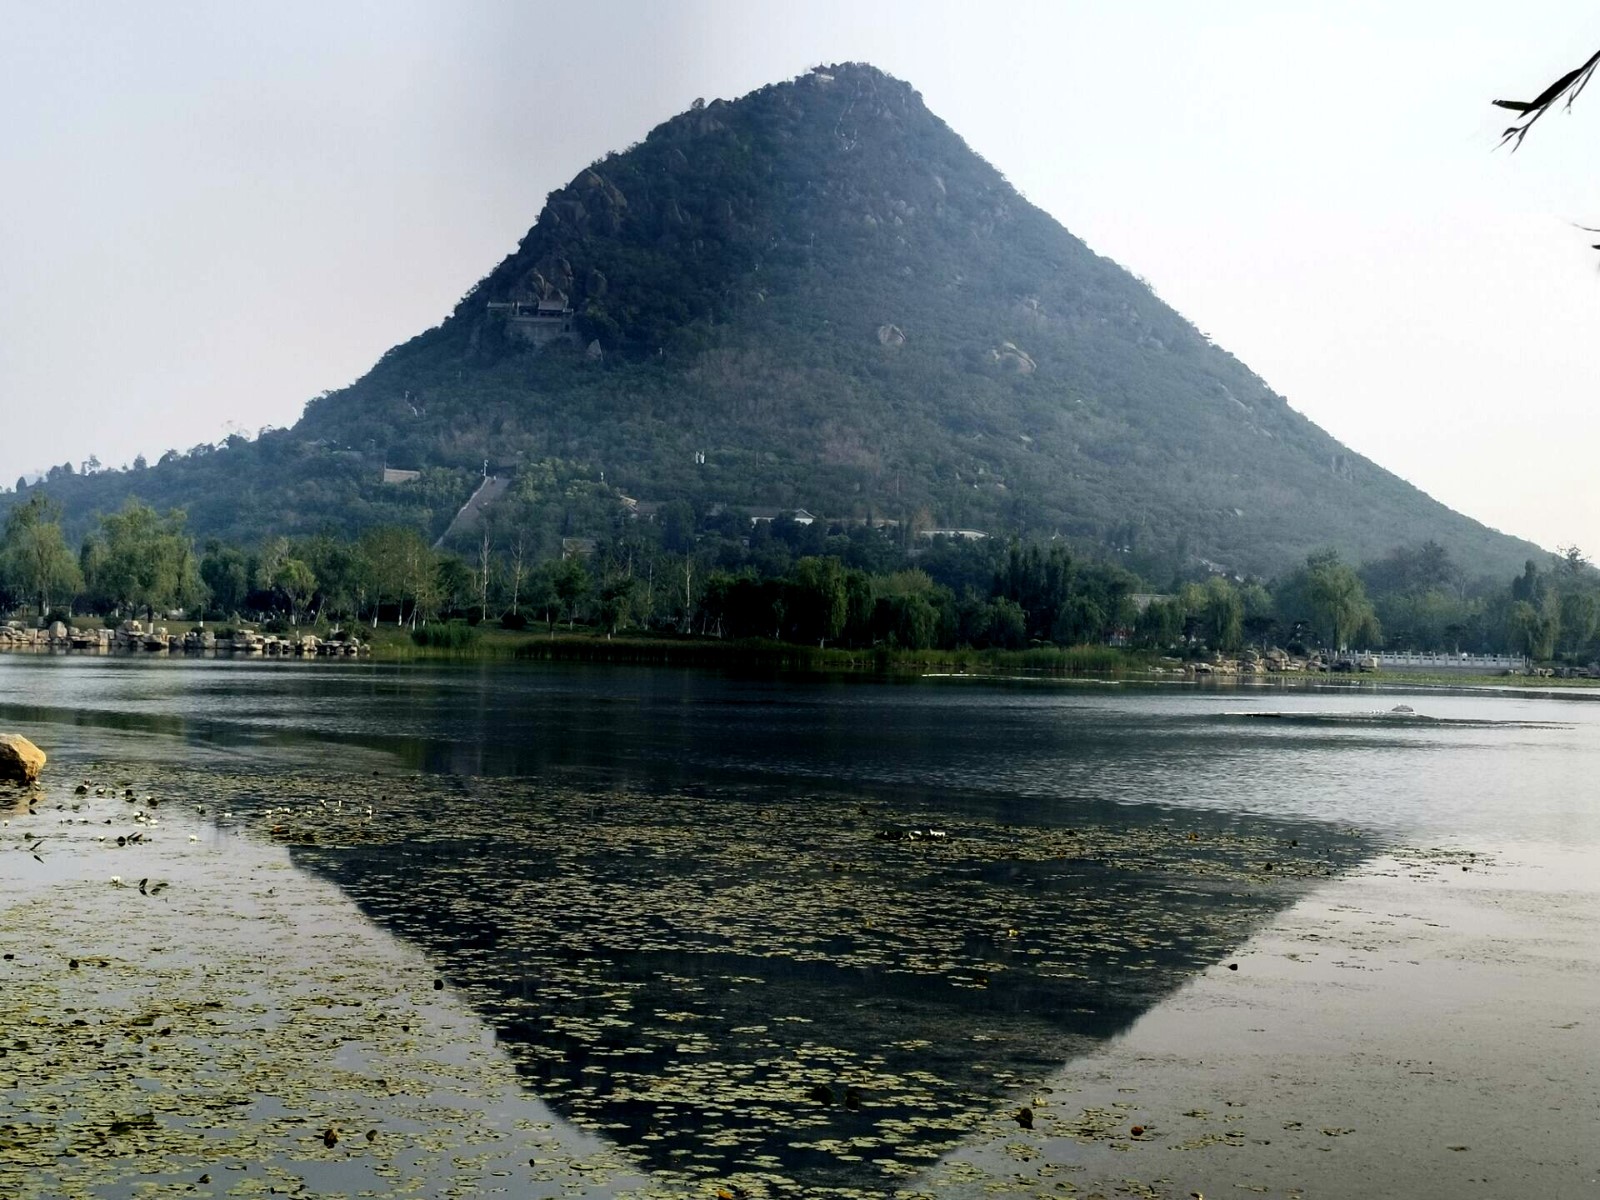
(818, 600)
(298, 584)
(1534, 628)
(1222, 614)
(34, 555)
(144, 560)
(1338, 598)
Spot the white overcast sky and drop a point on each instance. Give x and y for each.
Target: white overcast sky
(211, 213)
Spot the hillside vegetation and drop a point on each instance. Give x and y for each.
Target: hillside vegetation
(818, 296)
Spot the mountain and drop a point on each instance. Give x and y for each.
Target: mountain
(818, 296)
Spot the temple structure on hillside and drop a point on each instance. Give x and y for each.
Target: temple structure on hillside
(537, 322)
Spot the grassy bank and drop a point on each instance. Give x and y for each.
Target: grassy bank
(457, 641)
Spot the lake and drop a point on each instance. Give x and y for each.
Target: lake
(545, 930)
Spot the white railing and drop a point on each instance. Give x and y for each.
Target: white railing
(1445, 661)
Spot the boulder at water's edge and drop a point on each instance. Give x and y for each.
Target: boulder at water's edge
(20, 760)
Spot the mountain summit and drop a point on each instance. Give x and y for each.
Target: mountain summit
(818, 296)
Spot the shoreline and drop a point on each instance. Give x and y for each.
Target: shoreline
(1079, 663)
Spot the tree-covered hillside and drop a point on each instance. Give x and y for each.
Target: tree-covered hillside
(818, 296)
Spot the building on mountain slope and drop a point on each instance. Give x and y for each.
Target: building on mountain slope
(965, 535)
(537, 322)
(798, 515)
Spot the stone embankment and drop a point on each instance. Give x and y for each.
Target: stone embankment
(1280, 662)
(1274, 662)
(134, 636)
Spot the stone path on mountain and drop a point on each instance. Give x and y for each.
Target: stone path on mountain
(466, 520)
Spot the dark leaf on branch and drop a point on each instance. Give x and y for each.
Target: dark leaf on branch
(1559, 86)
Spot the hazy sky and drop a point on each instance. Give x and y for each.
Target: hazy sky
(211, 213)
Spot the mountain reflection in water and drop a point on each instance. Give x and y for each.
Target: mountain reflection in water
(807, 988)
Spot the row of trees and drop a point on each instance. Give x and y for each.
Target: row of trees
(856, 587)
(136, 559)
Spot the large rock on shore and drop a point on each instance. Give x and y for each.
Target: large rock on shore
(20, 760)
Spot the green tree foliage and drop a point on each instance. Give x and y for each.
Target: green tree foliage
(403, 571)
(1414, 571)
(677, 527)
(1534, 626)
(1555, 612)
(226, 573)
(1077, 621)
(142, 561)
(1422, 600)
(818, 601)
(34, 559)
(1007, 627)
(1159, 626)
(455, 585)
(1259, 615)
(297, 583)
(542, 595)
(1338, 599)
(572, 584)
(1222, 614)
(1039, 582)
(1579, 616)
(743, 605)
(618, 600)
(850, 585)
(343, 575)
(908, 608)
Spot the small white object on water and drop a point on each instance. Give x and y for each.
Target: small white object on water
(194, 837)
(116, 881)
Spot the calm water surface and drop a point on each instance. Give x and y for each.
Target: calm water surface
(1031, 744)
(636, 874)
